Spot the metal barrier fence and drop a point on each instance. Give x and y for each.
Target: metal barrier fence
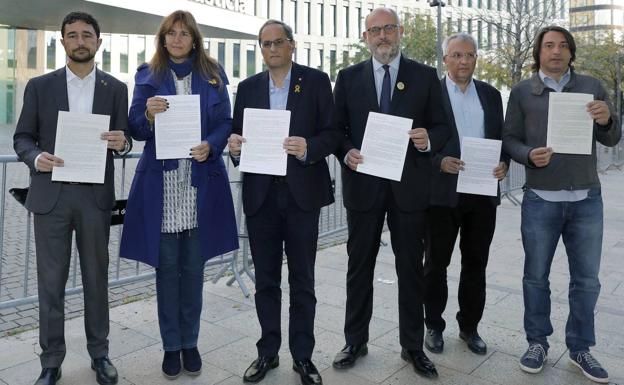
(18, 269)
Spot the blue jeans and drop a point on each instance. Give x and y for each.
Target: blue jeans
(580, 226)
(179, 285)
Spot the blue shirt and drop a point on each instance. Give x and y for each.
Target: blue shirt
(561, 195)
(278, 97)
(467, 109)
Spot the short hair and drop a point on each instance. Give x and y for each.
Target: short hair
(287, 29)
(460, 36)
(80, 16)
(384, 9)
(538, 44)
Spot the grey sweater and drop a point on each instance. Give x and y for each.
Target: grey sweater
(526, 127)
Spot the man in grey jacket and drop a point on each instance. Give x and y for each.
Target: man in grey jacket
(561, 199)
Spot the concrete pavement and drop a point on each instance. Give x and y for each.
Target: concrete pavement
(229, 326)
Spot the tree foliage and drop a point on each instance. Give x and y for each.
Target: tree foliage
(418, 42)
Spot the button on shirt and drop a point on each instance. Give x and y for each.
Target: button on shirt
(561, 195)
(467, 109)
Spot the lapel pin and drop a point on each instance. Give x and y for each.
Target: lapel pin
(103, 82)
(212, 81)
(400, 86)
(297, 88)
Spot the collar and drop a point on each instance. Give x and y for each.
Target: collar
(286, 80)
(394, 63)
(565, 77)
(71, 76)
(537, 84)
(451, 85)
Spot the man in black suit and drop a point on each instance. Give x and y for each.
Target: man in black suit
(62, 207)
(474, 109)
(282, 212)
(393, 84)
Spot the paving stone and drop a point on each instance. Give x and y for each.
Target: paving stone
(407, 376)
(612, 364)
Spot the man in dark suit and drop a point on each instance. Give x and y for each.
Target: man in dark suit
(474, 109)
(285, 210)
(393, 84)
(61, 207)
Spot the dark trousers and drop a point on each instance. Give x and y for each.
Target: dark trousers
(75, 210)
(474, 218)
(407, 236)
(281, 226)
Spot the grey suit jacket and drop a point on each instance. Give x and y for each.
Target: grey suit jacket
(44, 97)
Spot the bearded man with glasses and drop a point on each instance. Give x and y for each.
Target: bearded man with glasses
(392, 84)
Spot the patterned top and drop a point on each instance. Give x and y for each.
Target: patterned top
(179, 197)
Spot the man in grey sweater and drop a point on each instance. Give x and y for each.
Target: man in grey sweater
(561, 199)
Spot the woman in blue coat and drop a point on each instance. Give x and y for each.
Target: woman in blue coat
(180, 212)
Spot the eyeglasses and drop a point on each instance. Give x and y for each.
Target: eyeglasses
(277, 43)
(388, 29)
(467, 55)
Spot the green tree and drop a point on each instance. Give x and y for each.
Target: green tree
(418, 42)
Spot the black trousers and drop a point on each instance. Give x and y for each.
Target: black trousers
(75, 210)
(474, 218)
(407, 236)
(281, 226)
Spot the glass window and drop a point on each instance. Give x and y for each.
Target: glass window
(251, 60)
(479, 34)
(332, 65)
(123, 54)
(359, 21)
(140, 46)
(320, 18)
(50, 50)
(282, 10)
(268, 9)
(307, 57)
(221, 54)
(306, 16)
(459, 25)
(236, 57)
(347, 21)
(31, 61)
(320, 60)
(345, 58)
(293, 15)
(449, 26)
(470, 26)
(9, 118)
(106, 52)
(334, 21)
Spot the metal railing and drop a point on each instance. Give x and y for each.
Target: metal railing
(18, 271)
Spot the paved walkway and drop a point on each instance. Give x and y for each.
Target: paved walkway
(229, 327)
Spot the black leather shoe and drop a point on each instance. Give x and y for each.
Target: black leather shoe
(49, 376)
(422, 364)
(434, 342)
(105, 372)
(171, 367)
(348, 355)
(474, 342)
(191, 361)
(259, 368)
(308, 372)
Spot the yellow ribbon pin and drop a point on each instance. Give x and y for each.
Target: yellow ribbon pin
(297, 88)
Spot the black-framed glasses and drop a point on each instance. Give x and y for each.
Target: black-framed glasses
(458, 55)
(388, 29)
(277, 43)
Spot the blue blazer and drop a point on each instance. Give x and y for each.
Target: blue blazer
(215, 210)
(312, 117)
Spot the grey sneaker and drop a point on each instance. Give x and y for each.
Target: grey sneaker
(533, 359)
(590, 367)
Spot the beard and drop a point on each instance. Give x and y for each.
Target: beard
(80, 57)
(384, 53)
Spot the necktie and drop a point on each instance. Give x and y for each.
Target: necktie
(384, 100)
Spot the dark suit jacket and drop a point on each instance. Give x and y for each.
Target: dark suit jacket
(443, 185)
(312, 117)
(44, 97)
(419, 100)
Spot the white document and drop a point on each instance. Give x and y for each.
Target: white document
(384, 146)
(481, 156)
(79, 144)
(570, 127)
(179, 128)
(263, 150)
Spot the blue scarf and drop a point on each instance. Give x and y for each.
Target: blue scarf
(183, 69)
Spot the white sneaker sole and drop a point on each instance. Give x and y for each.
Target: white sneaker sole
(595, 379)
(533, 370)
